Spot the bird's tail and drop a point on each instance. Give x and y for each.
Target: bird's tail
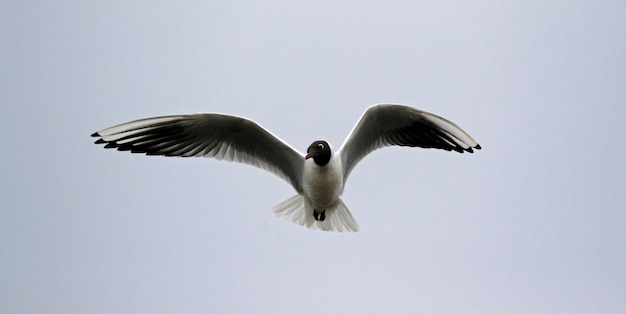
(298, 209)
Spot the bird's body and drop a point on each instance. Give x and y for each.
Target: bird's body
(322, 184)
(318, 176)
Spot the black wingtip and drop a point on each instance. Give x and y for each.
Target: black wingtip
(477, 146)
(100, 141)
(95, 134)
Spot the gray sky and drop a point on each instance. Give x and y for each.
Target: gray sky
(533, 223)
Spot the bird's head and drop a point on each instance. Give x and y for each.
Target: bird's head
(320, 152)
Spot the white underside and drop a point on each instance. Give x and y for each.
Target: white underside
(322, 185)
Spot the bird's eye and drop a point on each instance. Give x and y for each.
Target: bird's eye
(320, 146)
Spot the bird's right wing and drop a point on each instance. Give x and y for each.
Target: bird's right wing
(218, 136)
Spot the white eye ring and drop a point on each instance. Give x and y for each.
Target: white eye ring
(320, 146)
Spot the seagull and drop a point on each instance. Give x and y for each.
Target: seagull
(319, 176)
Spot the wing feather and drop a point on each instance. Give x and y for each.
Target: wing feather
(390, 124)
(217, 136)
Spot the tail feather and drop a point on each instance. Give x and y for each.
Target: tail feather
(298, 209)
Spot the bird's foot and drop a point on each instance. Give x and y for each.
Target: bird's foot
(319, 216)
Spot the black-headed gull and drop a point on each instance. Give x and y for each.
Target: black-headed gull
(318, 176)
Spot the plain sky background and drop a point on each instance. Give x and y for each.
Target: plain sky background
(533, 223)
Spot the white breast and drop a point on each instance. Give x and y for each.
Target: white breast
(323, 185)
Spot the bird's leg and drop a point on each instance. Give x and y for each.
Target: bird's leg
(319, 216)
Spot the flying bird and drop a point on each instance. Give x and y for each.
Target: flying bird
(319, 176)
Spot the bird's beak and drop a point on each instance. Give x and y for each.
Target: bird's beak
(309, 156)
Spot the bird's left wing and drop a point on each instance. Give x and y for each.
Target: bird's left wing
(218, 136)
(390, 124)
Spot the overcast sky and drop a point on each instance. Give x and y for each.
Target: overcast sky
(535, 222)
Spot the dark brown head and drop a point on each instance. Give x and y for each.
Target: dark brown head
(320, 152)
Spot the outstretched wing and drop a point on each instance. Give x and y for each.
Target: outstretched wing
(218, 136)
(389, 124)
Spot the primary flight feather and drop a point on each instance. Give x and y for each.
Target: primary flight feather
(318, 176)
